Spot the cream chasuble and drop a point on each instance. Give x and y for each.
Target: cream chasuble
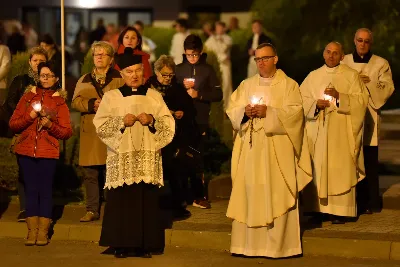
(267, 175)
(335, 139)
(134, 154)
(380, 88)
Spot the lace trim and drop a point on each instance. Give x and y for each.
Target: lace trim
(110, 132)
(134, 167)
(164, 133)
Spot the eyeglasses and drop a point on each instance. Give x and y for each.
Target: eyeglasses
(101, 55)
(193, 55)
(47, 76)
(366, 41)
(165, 76)
(263, 59)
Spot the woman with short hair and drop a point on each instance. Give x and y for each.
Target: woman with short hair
(41, 118)
(180, 104)
(87, 97)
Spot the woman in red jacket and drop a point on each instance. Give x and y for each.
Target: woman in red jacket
(130, 37)
(41, 118)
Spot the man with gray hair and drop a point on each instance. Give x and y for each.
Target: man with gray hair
(334, 102)
(87, 97)
(376, 75)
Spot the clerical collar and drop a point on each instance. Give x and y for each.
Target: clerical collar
(129, 91)
(358, 59)
(331, 69)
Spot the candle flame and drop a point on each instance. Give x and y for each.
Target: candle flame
(37, 106)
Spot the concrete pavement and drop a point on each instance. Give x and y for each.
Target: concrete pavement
(77, 254)
(375, 236)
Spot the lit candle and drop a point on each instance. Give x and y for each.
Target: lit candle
(328, 97)
(37, 106)
(255, 100)
(191, 79)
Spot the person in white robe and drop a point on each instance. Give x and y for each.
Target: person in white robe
(258, 38)
(177, 51)
(376, 75)
(135, 123)
(334, 101)
(221, 43)
(270, 161)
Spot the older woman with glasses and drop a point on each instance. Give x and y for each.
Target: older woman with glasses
(16, 90)
(41, 118)
(87, 97)
(181, 107)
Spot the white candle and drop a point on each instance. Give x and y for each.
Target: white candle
(37, 106)
(328, 97)
(191, 79)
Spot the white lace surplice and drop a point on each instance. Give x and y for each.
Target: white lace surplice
(133, 155)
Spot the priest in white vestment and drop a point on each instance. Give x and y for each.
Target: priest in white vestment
(376, 74)
(270, 161)
(221, 43)
(135, 123)
(334, 101)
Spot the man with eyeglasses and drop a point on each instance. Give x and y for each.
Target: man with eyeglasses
(376, 75)
(270, 161)
(202, 84)
(334, 102)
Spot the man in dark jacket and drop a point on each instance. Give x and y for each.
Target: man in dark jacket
(258, 38)
(202, 84)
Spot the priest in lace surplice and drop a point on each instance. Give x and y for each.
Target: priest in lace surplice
(335, 102)
(270, 161)
(135, 123)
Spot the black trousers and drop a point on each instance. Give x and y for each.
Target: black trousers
(368, 196)
(94, 177)
(132, 218)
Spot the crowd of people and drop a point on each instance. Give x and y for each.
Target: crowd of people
(313, 145)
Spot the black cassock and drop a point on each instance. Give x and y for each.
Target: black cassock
(132, 217)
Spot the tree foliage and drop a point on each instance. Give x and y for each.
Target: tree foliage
(302, 28)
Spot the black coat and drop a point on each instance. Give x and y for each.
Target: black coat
(16, 90)
(207, 85)
(262, 39)
(177, 99)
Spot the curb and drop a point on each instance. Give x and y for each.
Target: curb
(312, 246)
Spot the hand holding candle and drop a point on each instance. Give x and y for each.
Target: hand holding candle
(189, 83)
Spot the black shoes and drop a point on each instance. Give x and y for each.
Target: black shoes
(120, 253)
(181, 214)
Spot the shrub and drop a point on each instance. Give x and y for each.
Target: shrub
(19, 65)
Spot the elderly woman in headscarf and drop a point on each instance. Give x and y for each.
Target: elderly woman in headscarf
(89, 91)
(175, 160)
(16, 90)
(135, 124)
(130, 37)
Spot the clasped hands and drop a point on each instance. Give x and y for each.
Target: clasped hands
(322, 103)
(255, 111)
(144, 119)
(44, 121)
